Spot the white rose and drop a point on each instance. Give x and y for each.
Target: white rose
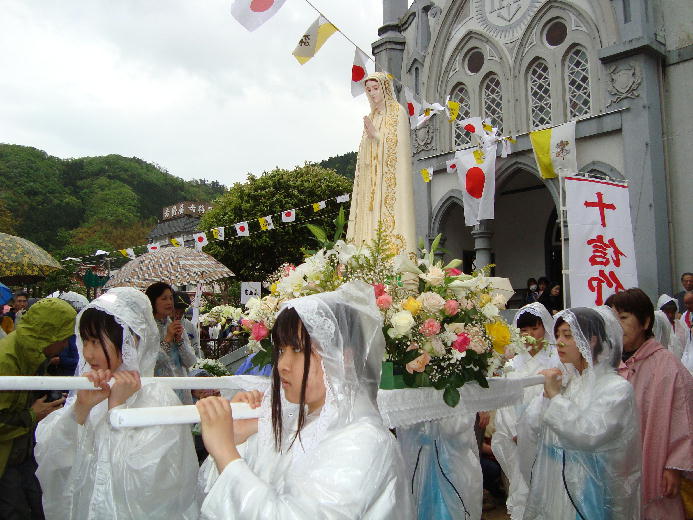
(434, 346)
(455, 328)
(401, 322)
(435, 276)
(431, 302)
(499, 301)
(489, 310)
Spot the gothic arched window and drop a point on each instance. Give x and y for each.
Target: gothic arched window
(577, 77)
(539, 94)
(492, 100)
(460, 136)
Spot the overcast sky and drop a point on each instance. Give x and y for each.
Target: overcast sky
(180, 83)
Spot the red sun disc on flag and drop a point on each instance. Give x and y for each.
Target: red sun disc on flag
(453, 166)
(357, 73)
(200, 239)
(410, 109)
(241, 228)
(470, 128)
(287, 213)
(474, 182)
(260, 6)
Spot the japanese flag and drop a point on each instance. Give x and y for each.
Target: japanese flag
(317, 206)
(342, 198)
(478, 183)
(451, 165)
(200, 240)
(155, 246)
(251, 14)
(413, 107)
(266, 223)
(358, 73)
(218, 233)
(289, 215)
(473, 125)
(242, 229)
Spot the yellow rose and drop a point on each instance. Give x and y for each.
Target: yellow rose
(499, 334)
(412, 305)
(273, 288)
(484, 299)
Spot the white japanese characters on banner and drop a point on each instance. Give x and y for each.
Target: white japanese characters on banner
(601, 251)
(249, 290)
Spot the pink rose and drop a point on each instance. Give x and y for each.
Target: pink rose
(462, 342)
(259, 332)
(413, 346)
(383, 301)
(453, 272)
(430, 327)
(379, 289)
(451, 307)
(419, 364)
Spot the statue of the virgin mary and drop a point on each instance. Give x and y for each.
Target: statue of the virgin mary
(383, 191)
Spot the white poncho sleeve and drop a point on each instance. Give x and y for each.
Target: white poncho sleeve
(350, 476)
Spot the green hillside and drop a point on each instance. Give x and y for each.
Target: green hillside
(71, 206)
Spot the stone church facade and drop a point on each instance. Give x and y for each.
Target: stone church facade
(621, 68)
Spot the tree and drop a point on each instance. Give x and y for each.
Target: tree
(343, 164)
(254, 257)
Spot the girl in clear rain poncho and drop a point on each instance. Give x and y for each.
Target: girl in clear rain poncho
(580, 443)
(90, 470)
(534, 321)
(320, 449)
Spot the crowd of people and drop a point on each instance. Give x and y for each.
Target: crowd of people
(609, 435)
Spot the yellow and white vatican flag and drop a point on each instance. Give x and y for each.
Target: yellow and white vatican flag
(314, 38)
(251, 14)
(242, 229)
(177, 242)
(478, 183)
(452, 108)
(426, 174)
(218, 232)
(200, 240)
(413, 107)
(359, 72)
(266, 223)
(154, 246)
(554, 150)
(317, 206)
(128, 253)
(428, 110)
(288, 215)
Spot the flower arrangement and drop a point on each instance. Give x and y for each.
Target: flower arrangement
(443, 327)
(213, 366)
(220, 314)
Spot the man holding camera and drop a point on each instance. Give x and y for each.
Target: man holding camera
(41, 335)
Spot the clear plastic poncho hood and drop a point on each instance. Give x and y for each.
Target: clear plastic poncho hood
(597, 333)
(133, 311)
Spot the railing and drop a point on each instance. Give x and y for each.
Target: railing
(217, 348)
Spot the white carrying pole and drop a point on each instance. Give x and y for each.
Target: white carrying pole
(561, 209)
(155, 416)
(24, 383)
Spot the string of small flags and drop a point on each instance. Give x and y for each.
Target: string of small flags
(240, 229)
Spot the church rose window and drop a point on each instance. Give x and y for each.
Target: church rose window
(493, 101)
(578, 81)
(556, 33)
(540, 94)
(461, 137)
(475, 61)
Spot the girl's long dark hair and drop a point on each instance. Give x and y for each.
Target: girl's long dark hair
(100, 325)
(288, 332)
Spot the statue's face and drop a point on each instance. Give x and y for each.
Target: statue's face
(374, 92)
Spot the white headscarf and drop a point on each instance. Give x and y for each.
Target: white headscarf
(601, 324)
(346, 328)
(133, 311)
(664, 299)
(540, 311)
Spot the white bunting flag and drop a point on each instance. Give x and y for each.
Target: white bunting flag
(251, 14)
(242, 229)
(358, 72)
(218, 233)
(451, 165)
(288, 215)
(342, 198)
(200, 240)
(478, 182)
(413, 107)
(154, 246)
